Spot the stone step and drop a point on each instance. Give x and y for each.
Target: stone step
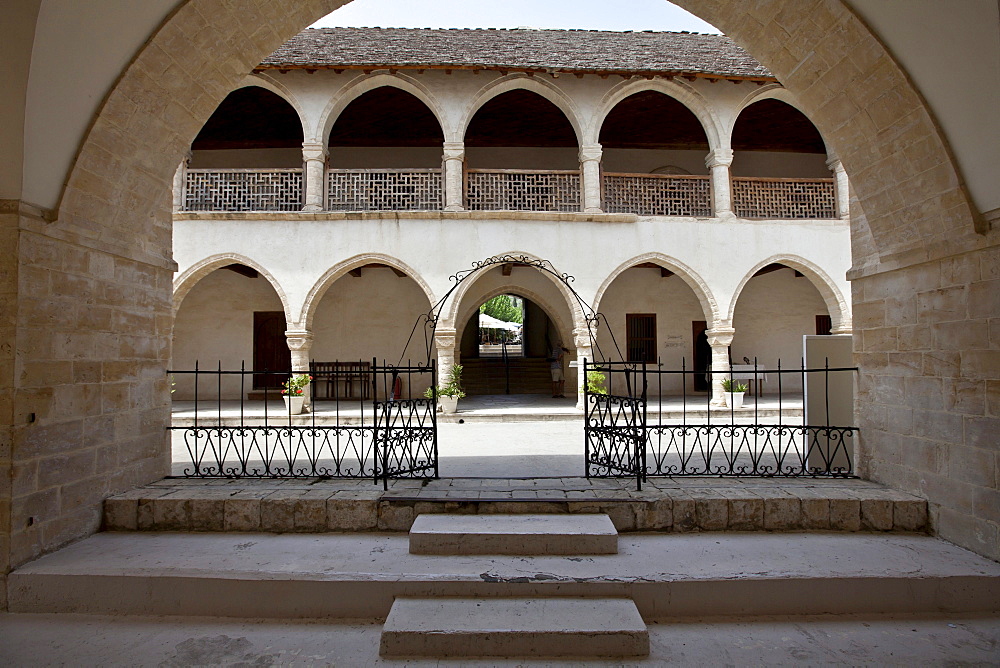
(513, 534)
(514, 627)
(304, 576)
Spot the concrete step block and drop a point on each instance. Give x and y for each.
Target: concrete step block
(514, 627)
(551, 534)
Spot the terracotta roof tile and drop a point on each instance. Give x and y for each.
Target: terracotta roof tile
(547, 50)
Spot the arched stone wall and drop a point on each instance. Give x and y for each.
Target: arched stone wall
(199, 270)
(523, 82)
(112, 237)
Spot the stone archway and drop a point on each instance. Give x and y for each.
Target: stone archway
(112, 236)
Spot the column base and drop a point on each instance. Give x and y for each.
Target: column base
(312, 208)
(593, 210)
(454, 207)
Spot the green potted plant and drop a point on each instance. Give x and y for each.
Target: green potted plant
(734, 391)
(595, 383)
(450, 392)
(293, 392)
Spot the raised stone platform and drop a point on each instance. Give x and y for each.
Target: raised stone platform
(664, 504)
(513, 534)
(523, 627)
(296, 576)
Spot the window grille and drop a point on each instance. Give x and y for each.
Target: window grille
(658, 195)
(784, 198)
(640, 334)
(520, 190)
(384, 190)
(243, 190)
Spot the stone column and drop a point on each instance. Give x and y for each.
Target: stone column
(719, 338)
(180, 183)
(718, 160)
(841, 187)
(444, 343)
(300, 345)
(454, 176)
(590, 177)
(314, 158)
(584, 351)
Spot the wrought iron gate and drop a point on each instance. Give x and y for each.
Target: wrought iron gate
(615, 426)
(405, 435)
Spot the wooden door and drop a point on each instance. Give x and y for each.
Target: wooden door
(270, 349)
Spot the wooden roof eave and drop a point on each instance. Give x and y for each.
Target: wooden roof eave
(627, 74)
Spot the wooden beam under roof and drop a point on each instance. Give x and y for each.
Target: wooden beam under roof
(243, 270)
(664, 272)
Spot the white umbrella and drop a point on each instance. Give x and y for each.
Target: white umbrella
(489, 322)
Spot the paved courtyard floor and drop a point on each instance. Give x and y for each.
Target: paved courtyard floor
(94, 640)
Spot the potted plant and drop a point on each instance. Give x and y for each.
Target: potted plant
(595, 383)
(734, 392)
(293, 392)
(449, 393)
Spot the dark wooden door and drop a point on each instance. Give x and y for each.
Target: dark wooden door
(270, 349)
(702, 354)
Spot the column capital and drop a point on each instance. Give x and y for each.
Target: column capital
(314, 151)
(719, 157)
(591, 152)
(298, 339)
(720, 336)
(833, 162)
(454, 150)
(445, 338)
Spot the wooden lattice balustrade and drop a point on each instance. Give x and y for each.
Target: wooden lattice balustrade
(755, 197)
(243, 190)
(384, 190)
(521, 190)
(658, 194)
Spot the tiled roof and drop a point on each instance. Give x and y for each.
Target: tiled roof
(518, 49)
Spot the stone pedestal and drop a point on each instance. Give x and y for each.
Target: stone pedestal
(719, 339)
(300, 344)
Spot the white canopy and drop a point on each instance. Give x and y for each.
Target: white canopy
(489, 322)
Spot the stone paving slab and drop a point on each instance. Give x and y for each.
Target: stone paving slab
(677, 505)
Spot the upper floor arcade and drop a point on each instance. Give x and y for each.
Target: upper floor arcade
(594, 125)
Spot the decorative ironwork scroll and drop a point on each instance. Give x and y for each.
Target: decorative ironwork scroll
(243, 190)
(405, 429)
(614, 427)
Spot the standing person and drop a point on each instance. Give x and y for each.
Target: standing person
(556, 367)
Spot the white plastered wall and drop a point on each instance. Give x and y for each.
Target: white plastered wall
(645, 290)
(774, 311)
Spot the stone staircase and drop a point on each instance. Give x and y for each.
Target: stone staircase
(533, 626)
(486, 375)
(466, 568)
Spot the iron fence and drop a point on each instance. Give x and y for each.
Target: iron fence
(373, 421)
(634, 429)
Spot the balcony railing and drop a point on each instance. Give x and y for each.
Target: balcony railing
(243, 190)
(239, 190)
(658, 194)
(755, 197)
(521, 190)
(384, 190)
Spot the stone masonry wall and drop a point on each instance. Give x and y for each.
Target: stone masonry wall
(927, 339)
(8, 303)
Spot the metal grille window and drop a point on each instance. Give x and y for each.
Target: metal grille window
(519, 190)
(243, 190)
(658, 195)
(640, 335)
(784, 198)
(384, 190)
